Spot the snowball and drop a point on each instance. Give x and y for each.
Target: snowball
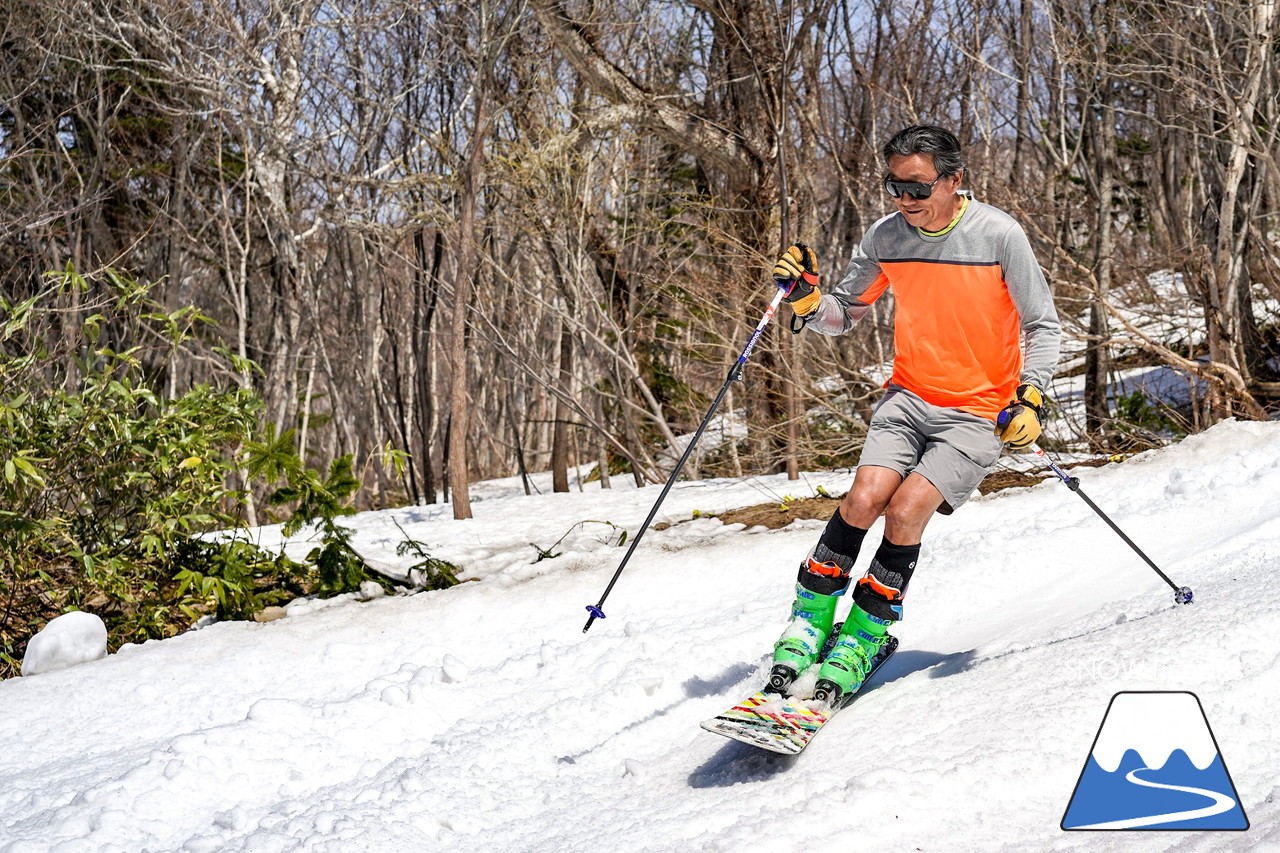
(454, 670)
(649, 685)
(72, 638)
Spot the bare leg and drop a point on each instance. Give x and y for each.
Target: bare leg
(873, 487)
(907, 505)
(910, 509)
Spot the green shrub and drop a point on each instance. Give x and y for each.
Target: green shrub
(111, 495)
(104, 481)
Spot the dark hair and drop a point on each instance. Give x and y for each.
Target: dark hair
(941, 144)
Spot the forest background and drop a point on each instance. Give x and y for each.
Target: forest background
(435, 242)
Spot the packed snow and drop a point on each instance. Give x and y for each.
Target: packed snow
(482, 718)
(70, 639)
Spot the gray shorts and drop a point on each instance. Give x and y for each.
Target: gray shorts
(950, 448)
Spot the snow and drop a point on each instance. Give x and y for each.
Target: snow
(70, 639)
(482, 718)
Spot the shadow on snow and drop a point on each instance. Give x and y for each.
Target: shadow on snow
(736, 762)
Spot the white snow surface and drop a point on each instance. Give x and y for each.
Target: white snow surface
(481, 718)
(72, 638)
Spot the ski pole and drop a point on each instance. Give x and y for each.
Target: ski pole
(1181, 594)
(735, 375)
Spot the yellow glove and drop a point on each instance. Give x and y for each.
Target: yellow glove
(1018, 423)
(798, 269)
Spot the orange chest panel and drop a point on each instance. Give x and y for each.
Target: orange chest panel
(956, 333)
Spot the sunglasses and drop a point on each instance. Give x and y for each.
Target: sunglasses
(917, 190)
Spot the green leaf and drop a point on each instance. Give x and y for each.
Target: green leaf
(26, 468)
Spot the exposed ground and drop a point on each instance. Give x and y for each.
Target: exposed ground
(775, 515)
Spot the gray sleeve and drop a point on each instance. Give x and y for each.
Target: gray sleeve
(840, 308)
(1042, 333)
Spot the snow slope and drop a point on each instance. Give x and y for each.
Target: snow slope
(481, 718)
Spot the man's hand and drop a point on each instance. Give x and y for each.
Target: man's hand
(799, 264)
(1018, 423)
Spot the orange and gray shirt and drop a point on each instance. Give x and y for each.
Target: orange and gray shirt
(963, 298)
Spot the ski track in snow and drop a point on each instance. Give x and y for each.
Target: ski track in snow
(1221, 803)
(481, 718)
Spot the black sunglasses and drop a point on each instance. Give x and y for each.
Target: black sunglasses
(916, 189)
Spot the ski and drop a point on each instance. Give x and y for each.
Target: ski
(785, 724)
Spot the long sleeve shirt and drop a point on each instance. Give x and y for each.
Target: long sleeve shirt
(964, 299)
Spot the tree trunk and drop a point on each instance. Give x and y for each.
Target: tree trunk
(560, 429)
(1097, 355)
(426, 299)
(459, 406)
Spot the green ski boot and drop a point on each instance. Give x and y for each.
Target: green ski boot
(849, 662)
(818, 590)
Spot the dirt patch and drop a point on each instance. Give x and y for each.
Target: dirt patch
(777, 515)
(998, 481)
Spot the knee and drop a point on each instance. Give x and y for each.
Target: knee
(905, 520)
(861, 507)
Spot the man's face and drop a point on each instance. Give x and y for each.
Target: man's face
(935, 212)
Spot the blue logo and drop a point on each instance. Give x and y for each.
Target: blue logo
(1155, 764)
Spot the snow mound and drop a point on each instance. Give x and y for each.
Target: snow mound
(72, 638)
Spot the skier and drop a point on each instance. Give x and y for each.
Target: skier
(966, 286)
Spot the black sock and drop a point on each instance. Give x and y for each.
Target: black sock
(882, 588)
(840, 543)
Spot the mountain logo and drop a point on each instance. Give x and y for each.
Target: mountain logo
(1155, 764)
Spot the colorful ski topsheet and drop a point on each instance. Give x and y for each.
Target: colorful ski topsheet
(783, 724)
(772, 722)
